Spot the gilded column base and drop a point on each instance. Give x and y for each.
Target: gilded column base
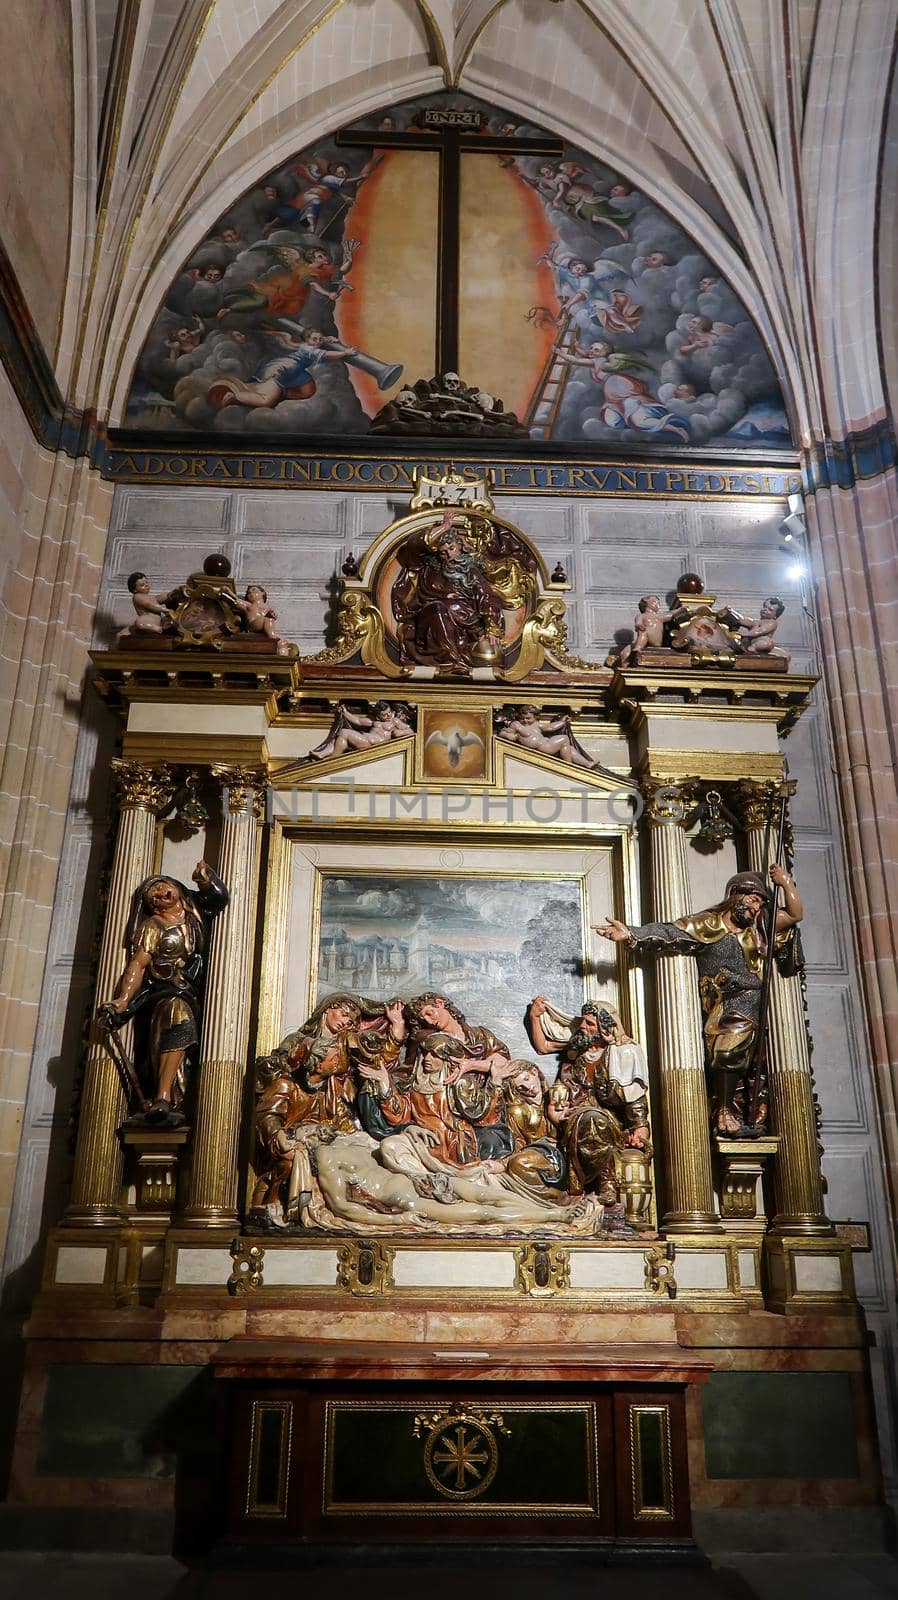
(690, 1222)
(83, 1264)
(808, 1272)
(98, 1216)
(784, 1225)
(211, 1217)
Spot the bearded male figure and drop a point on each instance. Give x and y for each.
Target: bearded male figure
(443, 602)
(598, 1102)
(728, 942)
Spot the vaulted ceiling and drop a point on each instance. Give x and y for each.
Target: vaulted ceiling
(757, 123)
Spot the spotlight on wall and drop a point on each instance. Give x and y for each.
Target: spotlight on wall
(792, 526)
(795, 571)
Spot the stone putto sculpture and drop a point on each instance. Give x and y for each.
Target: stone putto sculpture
(757, 638)
(696, 626)
(354, 730)
(549, 736)
(648, 628)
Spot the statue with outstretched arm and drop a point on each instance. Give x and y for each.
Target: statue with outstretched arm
(729, 944)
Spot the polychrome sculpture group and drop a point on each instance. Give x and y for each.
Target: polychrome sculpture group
(405, 1115)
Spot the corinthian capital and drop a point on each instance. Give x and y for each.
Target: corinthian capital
(142, 788)
(245, 787)
(668, 804)
(756, 801)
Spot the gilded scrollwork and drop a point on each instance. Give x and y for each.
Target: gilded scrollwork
(360, 630)
(246, 1274)
(659, 1269)
(365, 1266)
(542, 1270)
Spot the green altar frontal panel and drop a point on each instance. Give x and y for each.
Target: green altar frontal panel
(396, 1457)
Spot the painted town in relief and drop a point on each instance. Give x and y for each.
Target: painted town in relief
(391, 936)
(584, 314)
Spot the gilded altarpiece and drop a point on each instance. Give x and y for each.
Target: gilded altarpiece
(436, 1060)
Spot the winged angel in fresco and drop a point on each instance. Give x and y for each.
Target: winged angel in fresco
(569, 187)
(598, 288)
(627, 401)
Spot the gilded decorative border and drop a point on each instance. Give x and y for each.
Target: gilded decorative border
(641, 1511)
(255, 1508)
(336, 1508)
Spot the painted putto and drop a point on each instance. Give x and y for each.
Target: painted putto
(577, 310)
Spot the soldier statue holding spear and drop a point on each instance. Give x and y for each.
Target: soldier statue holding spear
(730, 942)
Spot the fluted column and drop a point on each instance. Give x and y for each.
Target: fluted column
(97, 1178)
(797, 1181)
(684, 1096)
(216, 1133)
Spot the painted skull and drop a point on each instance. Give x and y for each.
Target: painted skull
(452, 383)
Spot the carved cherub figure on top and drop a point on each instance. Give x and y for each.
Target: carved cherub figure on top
(551, 736)
(757, 638)
(204, 611)
(697, 627)
(152, 614)
(648, 628)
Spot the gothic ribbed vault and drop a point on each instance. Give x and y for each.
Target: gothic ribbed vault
(756, 122)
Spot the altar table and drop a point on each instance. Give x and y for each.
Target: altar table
(414, 1443)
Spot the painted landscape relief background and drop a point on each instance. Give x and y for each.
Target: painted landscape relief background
(489, 944)
(579, 303)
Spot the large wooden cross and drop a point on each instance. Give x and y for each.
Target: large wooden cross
(453, 133)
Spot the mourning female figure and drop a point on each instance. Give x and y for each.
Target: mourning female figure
(162, 985)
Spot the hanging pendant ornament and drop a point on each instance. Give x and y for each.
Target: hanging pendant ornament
(189, 809)
(715, 823)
